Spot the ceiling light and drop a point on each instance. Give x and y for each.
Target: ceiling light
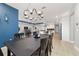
(39, 12)
(31, 11)
(26, 17)
(42, 16)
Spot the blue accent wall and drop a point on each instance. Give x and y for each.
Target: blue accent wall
(10, 27)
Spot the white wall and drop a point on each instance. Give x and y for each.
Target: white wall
(76, 23)
(72, 28)
(65, 27)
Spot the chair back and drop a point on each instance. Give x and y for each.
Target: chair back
(1, 53)
(43, 46)
(50, 46)
(18, 35)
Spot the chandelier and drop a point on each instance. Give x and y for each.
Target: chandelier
(28, 14)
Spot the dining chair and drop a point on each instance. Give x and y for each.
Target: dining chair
(50, 46)
(44, 47)
(18, 35)
(1, 53)
(43, 50)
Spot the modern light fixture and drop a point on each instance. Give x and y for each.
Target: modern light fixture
(28, 13)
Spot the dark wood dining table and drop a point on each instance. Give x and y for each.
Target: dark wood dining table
(25, 46)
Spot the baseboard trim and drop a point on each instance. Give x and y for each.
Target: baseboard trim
(69, 41)
(77, 48)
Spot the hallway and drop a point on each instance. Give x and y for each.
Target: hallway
(63, 48)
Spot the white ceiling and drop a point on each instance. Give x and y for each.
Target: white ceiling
(52, 9)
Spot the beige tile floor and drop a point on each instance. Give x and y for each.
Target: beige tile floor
(63, 48)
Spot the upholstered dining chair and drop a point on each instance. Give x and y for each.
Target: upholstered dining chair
(1, 53)
(50, 45)
(44, 47)
(18, 35)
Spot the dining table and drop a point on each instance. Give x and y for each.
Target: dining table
(25, 46)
